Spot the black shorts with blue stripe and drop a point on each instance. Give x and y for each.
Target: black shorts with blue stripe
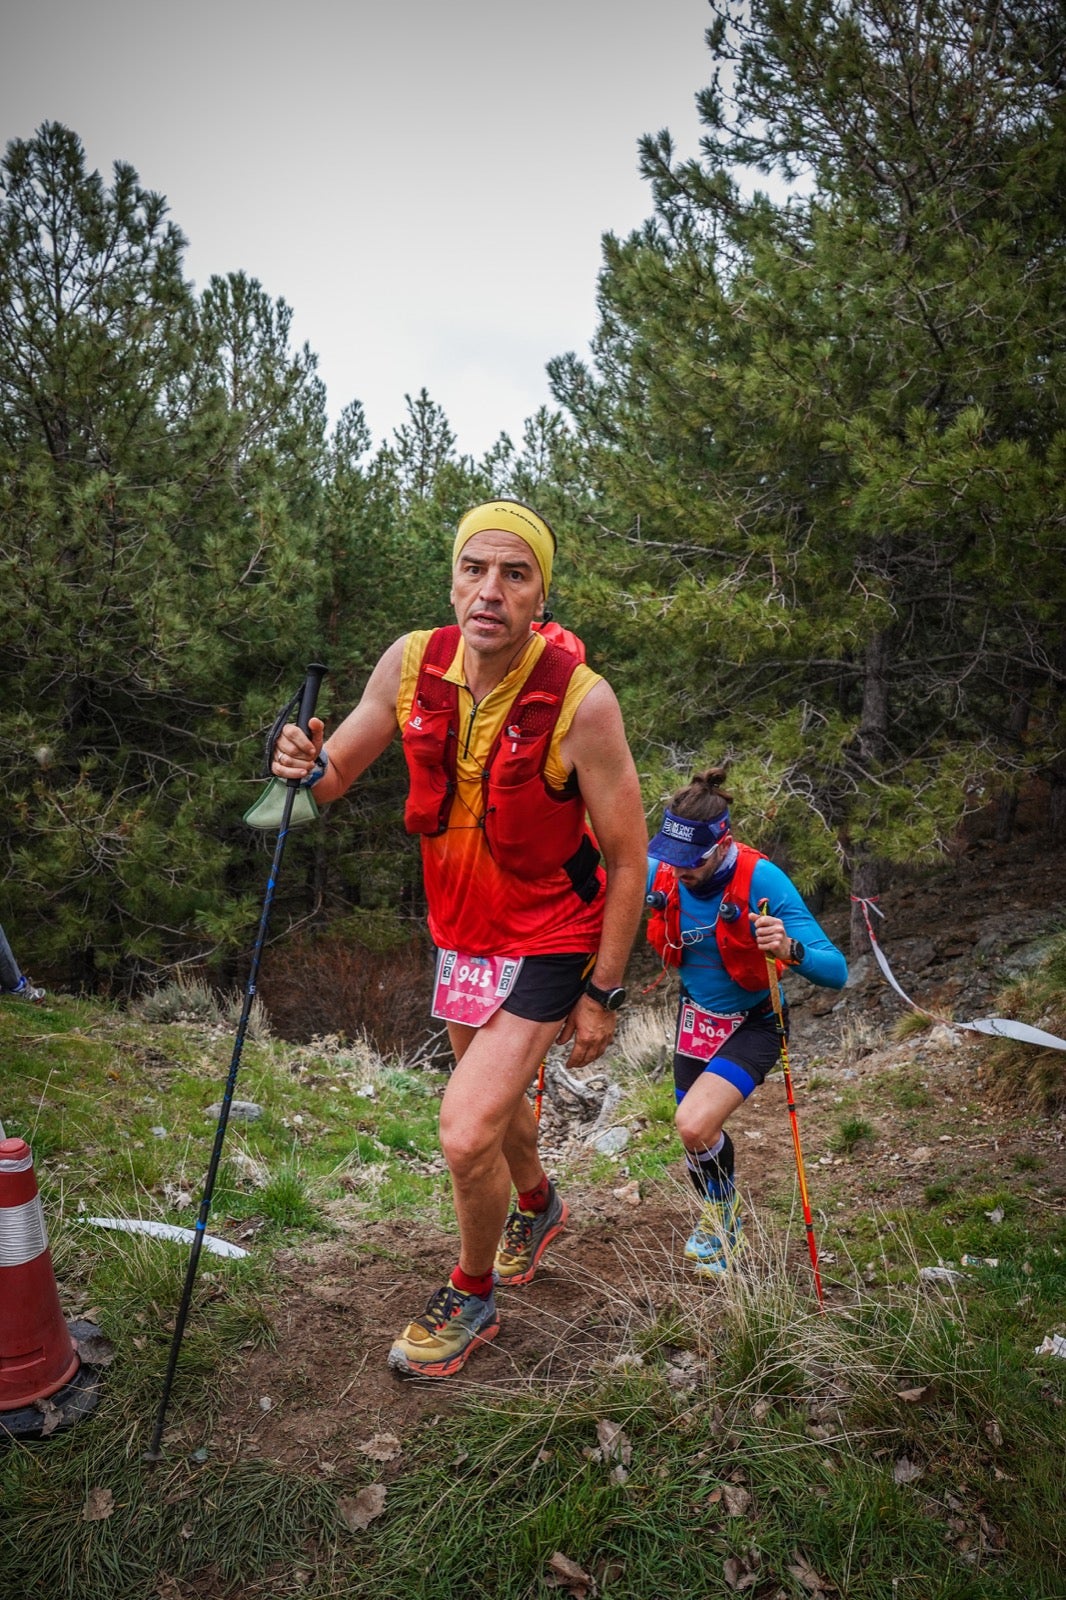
(743, 1060)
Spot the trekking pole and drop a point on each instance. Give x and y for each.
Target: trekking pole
(808, 1222)
(539, 1100)
(308, 698)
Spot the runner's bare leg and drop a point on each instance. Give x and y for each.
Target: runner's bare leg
(702, 1114)
(481, 1118)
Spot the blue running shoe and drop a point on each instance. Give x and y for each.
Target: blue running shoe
(715, 1239)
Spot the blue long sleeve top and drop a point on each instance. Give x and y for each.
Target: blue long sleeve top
(704, 978)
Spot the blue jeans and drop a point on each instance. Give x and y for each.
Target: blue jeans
(10, 976)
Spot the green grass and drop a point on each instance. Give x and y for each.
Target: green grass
(851, 1132)
(907, 1091)
(801, 1413)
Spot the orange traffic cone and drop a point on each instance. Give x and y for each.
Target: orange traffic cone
(37, 1353)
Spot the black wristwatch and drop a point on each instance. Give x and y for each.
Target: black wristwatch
(796, 952)
(610, 999)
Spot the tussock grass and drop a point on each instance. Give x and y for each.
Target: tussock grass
(188, 998)
(859, 1036)
(851, 1132)
(743, 1385)
(1017, 1073)
(646, 1038)
(910, 1023)
(906, 1442)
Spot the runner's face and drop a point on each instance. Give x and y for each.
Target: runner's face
(692, 877)
(496, 591)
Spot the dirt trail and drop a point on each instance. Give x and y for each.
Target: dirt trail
(952, 941)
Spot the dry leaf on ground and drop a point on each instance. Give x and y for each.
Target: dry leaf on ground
(738, 1574)
(737, 1500)
(382, 1447)
(566, 1574)
(99, 1504)
(51, 1414)
(95, 1350)
(358, 1511)
(613, 1442)
(805, 1574)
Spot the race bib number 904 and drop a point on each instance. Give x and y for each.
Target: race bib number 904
(700, 1034)
(471, 989)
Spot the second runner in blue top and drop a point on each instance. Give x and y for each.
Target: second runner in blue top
(719, 909)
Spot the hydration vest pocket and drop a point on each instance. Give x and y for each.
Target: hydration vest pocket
(582, 871)
(429, 746)
(515, 793)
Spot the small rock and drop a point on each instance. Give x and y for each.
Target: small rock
(239, 1111)
(611, 1142)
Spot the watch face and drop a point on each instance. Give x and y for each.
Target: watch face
(609, 999)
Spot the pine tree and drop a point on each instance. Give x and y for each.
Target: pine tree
(156, 548)
(827, 431)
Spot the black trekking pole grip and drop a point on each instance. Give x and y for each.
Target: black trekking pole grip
(309, 695)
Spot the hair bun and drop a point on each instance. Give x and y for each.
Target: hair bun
(712, 779)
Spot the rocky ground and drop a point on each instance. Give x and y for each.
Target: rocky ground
(323, 1396)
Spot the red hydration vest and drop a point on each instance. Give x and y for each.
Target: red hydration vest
(740, 955)
(555, 633)
(513, 785)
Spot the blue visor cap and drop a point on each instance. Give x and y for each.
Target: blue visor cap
(680, 842)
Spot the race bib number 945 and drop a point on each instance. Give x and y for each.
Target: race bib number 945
(471, 989)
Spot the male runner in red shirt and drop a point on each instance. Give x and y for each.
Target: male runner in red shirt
(509, 745)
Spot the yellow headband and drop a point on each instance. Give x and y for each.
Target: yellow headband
(510, 516)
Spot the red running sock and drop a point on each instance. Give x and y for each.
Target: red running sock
(535, 1200)
(462, 1281)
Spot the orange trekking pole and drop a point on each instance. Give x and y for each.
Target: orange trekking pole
(808, 1222)
(540, 1088)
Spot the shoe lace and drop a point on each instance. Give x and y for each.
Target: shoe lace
(447, 1303)
(517, 1232)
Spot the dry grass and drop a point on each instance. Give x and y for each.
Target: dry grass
(190, 998)
(331, 984)
(645, 1040)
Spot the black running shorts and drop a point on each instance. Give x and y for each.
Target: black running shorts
(548, 987)
(744, 1060)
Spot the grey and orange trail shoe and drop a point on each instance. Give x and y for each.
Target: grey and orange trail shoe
(526, 1236)
(453, 1325)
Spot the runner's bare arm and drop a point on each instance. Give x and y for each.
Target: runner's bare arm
(596, 746)
(360, 739)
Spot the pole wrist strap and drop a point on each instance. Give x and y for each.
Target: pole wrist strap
(316, 772)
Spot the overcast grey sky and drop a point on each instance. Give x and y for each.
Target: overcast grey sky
(425, 184)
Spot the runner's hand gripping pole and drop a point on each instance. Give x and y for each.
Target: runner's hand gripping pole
(308, 698)
(779, 1013)
(287, 803)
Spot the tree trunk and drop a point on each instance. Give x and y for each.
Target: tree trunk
(865, 885)
(1007, 804)
(872, 738)
(1057, 807)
